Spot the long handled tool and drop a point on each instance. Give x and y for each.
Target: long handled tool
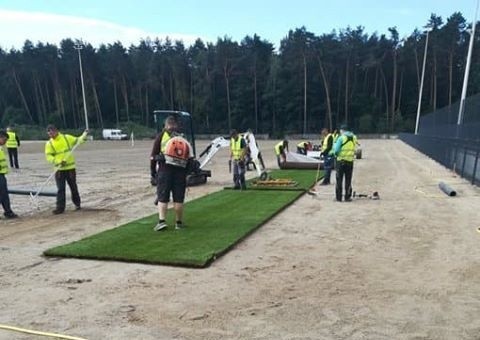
(314, 191)
(34, 198)
(318, 173)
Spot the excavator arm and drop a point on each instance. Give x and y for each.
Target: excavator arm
(211, 150)
(255, 155)
(222, 142)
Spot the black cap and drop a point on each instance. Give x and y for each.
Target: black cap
(51, 127)
(233, 132)
(4, 134)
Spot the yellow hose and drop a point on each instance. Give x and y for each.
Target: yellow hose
(28, 331)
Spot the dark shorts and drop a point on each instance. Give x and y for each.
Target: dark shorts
(171, 180)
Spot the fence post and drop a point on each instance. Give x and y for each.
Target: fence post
(454, 165)
(475, 167)
(464, 160)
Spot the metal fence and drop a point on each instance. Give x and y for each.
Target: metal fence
(461, 156)
(455, 146)
(443, 122)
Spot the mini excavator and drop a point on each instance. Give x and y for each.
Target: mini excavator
(198, 175)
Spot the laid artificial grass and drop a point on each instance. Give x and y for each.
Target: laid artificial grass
(215, 223)
(305, 179)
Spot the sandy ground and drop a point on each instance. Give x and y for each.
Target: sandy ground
(404, 267)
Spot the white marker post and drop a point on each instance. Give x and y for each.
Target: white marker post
(79, 47)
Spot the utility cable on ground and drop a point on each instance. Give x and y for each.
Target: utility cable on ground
(29, 331)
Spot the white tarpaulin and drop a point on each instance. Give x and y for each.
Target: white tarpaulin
(298, 161)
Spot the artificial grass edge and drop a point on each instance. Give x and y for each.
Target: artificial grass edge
(51, 253)
(55, 252)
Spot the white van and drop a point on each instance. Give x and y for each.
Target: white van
(114, 134)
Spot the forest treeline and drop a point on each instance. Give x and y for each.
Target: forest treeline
(370, 81)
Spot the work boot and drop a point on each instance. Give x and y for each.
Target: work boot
(160, 226)
(179, 225)
(10, 215)
(58, 211)
(78, 207)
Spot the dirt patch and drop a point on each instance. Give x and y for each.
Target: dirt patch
(404, 267)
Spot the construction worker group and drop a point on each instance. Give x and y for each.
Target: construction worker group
(337, 151)
(172, 160)
(58, 152)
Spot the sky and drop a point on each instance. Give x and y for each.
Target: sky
(128, 21)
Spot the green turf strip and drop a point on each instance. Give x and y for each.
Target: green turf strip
(305, 179)
(215, 223)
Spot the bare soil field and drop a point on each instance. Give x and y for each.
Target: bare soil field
(406, 266)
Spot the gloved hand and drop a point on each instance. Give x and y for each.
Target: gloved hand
(160, 158)
(241, 163)
(153, 180)
(85, 134)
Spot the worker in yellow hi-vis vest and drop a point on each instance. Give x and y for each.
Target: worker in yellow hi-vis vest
(344, 150)
(58, 152)
(281, 149)
(171, 160)
(327, 153)
(4, 198)
(13, 143)
(238, 151)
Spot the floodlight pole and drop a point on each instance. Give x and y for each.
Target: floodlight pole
(461, 110)
(421, 84)
(79, 47)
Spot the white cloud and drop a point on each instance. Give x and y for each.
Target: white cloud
(17, 26)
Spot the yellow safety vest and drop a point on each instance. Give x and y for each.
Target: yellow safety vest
(236, 148)
(302, 144)
(163, 143)
(59, 149)
(12, 140)
(325, 143)
(347, 151)
(277, 148)
(3, 162)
